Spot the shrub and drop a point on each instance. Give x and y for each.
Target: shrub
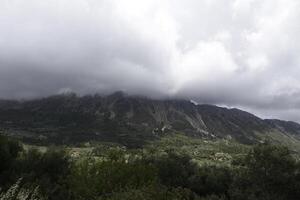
(267, 172)
(92, 178)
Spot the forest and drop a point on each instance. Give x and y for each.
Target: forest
(158, 171)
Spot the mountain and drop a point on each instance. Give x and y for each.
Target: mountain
(132, 120)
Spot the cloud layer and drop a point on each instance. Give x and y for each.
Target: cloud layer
(242, 53)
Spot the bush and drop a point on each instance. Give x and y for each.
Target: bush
(175, 170)
(92, 178)
(157, 192)
(211, 180)
(9, 151)
(267, 172)
(48, 170)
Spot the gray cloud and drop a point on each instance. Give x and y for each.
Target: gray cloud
(242, 53)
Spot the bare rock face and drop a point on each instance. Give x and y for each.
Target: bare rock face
(129, 119)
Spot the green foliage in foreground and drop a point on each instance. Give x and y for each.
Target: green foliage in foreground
(263, 172)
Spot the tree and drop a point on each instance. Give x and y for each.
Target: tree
(9, 151)
(267, 172)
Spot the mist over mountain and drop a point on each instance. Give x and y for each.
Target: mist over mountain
(238, 53)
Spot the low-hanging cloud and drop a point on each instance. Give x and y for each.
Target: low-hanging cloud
(242, 53)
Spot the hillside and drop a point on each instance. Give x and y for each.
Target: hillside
(132, 120)
(125, 147)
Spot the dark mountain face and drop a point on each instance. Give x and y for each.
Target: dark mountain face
(287, 127)
(128, 120)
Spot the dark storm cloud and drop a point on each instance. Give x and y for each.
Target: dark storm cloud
(237, 53)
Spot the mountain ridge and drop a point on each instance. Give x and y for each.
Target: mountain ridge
(131, 119)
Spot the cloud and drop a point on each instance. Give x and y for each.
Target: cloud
(242, 53)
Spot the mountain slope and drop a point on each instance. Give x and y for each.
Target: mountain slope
(130, 120)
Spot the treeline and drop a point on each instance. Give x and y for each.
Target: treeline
(267, 172)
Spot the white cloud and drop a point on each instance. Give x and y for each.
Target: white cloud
(230, 52)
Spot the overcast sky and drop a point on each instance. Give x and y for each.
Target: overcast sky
(237, 53)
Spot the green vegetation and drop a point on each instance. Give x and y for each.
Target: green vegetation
(133, 121)
(203, 151)
(176, 168)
